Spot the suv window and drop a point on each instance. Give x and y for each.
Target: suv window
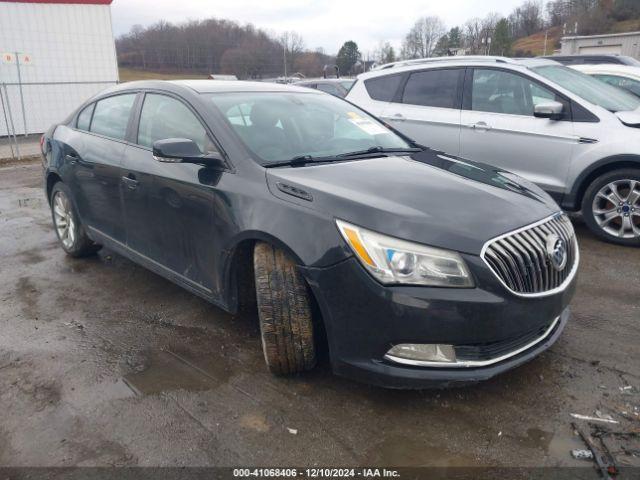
(165, 117)
(433, 88)
(84, 118)
(111, 116)
(498, 91)
(383, 88)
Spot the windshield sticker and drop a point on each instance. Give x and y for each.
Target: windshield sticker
(365, 124)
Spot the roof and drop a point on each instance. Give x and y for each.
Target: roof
(455, 61)
(218, 86)
(210, 86)
(610, 68)
(324, 80)
(606, 35)
(71, 2)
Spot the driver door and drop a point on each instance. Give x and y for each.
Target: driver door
(169, 207)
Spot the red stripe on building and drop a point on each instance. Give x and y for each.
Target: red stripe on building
(72, 2)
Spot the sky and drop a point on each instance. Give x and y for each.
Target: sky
(326, 23)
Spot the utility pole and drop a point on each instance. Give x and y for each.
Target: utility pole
(546, 32)
(24, 116)
(284, 56)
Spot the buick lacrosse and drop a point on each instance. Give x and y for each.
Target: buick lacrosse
(416, 268)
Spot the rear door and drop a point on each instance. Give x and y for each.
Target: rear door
(498, 127)
(94, 154)
(169, 206)
(427, 108)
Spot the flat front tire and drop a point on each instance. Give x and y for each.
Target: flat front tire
(284, 311)
(70, 231)
(611, 207)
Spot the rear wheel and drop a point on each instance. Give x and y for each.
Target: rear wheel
(70, 231)
(284, 310)
(611, 206)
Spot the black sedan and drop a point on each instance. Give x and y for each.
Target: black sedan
(418, 267)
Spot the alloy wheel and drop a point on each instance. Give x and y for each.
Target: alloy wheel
(616, 208)
(63, 219)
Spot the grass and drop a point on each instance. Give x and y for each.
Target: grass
(131, 74)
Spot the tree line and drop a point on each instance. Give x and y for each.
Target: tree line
(227, 47)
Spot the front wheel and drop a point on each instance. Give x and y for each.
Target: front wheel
(611, 207)
(70, 231)
(284, 310)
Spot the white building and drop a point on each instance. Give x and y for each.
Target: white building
(65, 53)
(627, 43)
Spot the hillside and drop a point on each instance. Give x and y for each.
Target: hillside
(533, 45)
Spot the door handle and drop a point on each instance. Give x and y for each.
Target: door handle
(72, 158)
(130, 181)
(480, 126)
(398, 117)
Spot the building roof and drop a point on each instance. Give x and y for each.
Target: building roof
(72, 2)
(606, 35)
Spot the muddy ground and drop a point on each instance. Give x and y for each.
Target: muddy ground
(104, 363)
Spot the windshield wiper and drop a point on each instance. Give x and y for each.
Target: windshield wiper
(378, 149)
(302, 160)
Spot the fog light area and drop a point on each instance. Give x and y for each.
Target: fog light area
(426, 352)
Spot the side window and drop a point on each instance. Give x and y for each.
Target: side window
(165, 117)
(84, 118)
(383, 88)
(111, 116)
(498, 91)
(433, 88)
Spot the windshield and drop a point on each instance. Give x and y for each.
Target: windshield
(591, 89)
(280, 126)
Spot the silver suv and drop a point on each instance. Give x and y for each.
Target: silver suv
(576, 137)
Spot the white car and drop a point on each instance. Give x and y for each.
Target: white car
(621, 76)
(576, 137)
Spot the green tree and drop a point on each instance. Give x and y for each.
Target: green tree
(442, 47)
(501, 44)
(347, 57)
(454, 38)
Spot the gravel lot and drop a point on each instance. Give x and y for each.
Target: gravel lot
(104, 363)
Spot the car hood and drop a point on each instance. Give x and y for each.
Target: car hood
(428, 197)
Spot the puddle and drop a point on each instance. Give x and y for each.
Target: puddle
(167, 370)
(401, 451)
(164, 373)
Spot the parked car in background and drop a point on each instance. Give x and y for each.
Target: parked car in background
(335, 86)
(594, 59)
(408, 261)
(576, 137)
(621, 76)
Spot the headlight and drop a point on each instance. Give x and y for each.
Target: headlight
(394, 261)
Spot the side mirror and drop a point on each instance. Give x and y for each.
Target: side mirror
(552, 110)
(183, 150)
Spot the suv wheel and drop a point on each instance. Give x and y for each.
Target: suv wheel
(71, 234)
(611, 206)
(284, 310)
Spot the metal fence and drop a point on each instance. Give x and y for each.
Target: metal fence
(32, 107)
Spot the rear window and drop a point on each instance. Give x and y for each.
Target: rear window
(433, 88)
(111, 116)
(383, 88)
(84, 118)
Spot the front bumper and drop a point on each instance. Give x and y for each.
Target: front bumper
(364, 319)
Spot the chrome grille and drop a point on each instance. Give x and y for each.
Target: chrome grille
(522, 260)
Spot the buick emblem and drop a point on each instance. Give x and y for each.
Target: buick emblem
(557, 251)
